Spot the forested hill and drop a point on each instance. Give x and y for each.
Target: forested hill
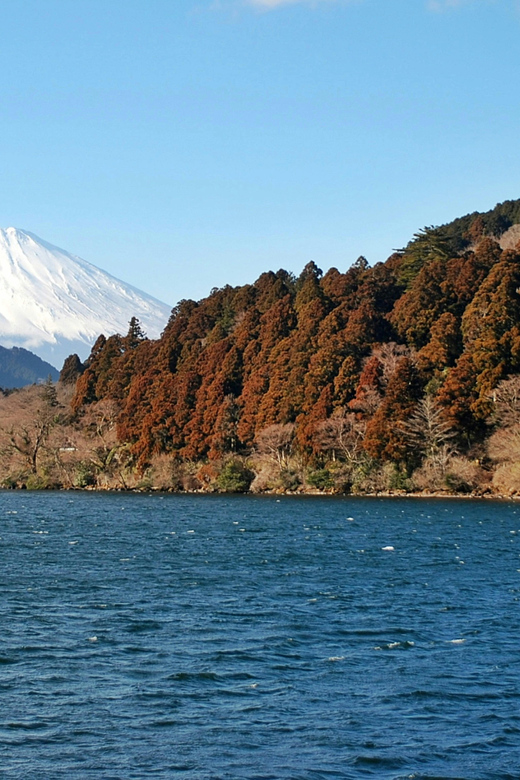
(19, 367)
(391, 364)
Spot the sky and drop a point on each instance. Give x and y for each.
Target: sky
(183, 145)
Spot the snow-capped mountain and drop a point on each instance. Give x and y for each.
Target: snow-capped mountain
(54, 303)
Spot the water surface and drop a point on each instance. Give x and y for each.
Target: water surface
(244, 638)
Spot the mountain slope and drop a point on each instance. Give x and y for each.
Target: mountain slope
(336, 357)
(19, 367)
(54, 303)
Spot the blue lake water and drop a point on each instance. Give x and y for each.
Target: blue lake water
(212, 637)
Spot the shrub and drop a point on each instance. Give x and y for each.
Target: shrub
(85, 475)
(321, 479)
(290, 480)
(235, 477)
(463, 476)
(397, 478)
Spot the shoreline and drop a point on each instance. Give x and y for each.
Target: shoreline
(292, 494)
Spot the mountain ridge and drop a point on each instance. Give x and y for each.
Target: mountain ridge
(20, 367)
(54, 303)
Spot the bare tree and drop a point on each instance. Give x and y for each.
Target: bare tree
(367, 403)
(389, 354)
(103, 449)
(342, 433)
(429, 432)
(506, 398)
(275, 441)
(30, 418)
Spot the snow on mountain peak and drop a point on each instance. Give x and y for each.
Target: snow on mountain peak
(54, 303)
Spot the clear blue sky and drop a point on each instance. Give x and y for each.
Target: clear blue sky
(186, 144)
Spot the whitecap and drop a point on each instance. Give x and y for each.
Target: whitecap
(336, 658)
(394, 645)
(456, 641)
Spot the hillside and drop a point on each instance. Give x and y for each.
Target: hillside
(403, 375)
(19, 367)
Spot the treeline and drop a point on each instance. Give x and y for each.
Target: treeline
(400, 376)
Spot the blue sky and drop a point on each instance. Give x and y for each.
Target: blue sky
(187, 144)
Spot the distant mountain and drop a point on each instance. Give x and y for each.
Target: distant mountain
(19, 367)
(55, 304)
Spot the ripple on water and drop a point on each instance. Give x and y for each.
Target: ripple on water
(215, 638)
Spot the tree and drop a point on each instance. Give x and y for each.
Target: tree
(459, 397)
(427, 431)
(225, 438)
(385, 439)
(506, 401)
(369, 392)
(444, 347)
(235, 477)
(135, 334)
(342, 434)
(27, 435)
(275, 441)
(428, 244)
(72, 369)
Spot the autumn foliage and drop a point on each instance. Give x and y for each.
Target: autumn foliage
(330, 375)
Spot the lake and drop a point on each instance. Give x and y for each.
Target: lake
(258, 638)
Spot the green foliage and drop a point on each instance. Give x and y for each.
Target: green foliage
(398, 479)
(235, 477)
(428, 244)
(49, 394)
(39, 482)
(493, 223)
(456, 483)
(135, 334)
(321, 479)
(367, 477)
(85, 475)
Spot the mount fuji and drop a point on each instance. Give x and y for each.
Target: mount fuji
(53, 303)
